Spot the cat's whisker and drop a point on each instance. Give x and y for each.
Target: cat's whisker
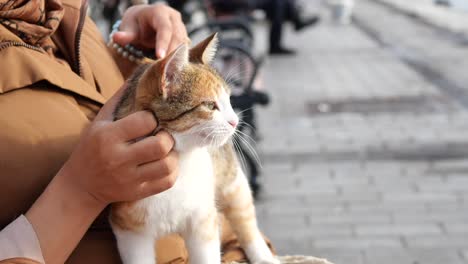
(242, 123)
(240, 150)
(247, 138)
(247, 109)
(235, 77)
(245, 135)
(221, 135)
(243, 162)
(199, 130)
(207, 127)
(212, 127)
(232, 70)
(250, 148)
(209, 135)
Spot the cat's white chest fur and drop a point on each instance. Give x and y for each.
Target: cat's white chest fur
(193, 192)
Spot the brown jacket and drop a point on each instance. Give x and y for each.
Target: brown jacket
(45, 102)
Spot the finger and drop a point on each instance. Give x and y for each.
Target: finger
(127, 33)
(176, 42)
(134, 126)
(152, 148)
(163, 27)
(123, 38)
(107, 111)
(158, 169)
(179, 36)
(156, 186)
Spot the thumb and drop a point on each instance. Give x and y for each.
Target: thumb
(107, 111)
(127, 33)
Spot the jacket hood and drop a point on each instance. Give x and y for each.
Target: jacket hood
(23, 65)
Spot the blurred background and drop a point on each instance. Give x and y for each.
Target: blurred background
(358, 111)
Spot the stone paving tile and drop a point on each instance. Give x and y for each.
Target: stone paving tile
(456, 165)
(321, 231)
(405, 256)
(358, 243)
(397, 229)
(363, 185)
(341, 255)
(444, 187)
(431, 256)
(297, 246)
(388, 256)
(447, 207)
(436, 241)
(280, 202)
(305, 210)
(343, 83)
(394, 208)
(325, 139)
(457, 228)
(420, 197)
(465, 254)
(351, 218)
(283, 226)
(457, 180)
(448, 18)
(447, 218)
(432, 48)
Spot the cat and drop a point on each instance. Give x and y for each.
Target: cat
(191, 102)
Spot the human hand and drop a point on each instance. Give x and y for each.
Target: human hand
(110, 166)
(106, 166)
(156, 26)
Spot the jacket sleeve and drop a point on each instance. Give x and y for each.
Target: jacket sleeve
(19, 243)
(19, 261)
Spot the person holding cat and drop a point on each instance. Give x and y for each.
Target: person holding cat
(62, 158)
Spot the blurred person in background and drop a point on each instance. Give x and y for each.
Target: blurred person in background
(278, 12)
(62, 158)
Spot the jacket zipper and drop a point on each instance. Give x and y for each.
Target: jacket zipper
(8, 43)
(79, 30)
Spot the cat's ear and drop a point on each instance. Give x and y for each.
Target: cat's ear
(169, 68)
(204, 52)
(160, 74)
(174, 62)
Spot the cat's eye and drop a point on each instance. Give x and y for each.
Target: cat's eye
(211, 105)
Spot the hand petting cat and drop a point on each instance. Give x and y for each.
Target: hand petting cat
(107, 165)
(156, 26)
(120, 168)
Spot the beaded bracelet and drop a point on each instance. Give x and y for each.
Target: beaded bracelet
(128, 51)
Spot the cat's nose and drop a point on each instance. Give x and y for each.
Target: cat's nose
(233, 123)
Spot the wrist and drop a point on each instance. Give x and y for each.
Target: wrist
(61, 216)
(77, 195)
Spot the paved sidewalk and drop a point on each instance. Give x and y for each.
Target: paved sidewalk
(365, 157)
(447, 18)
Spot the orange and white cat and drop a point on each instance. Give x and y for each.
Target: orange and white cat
(190, 101)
